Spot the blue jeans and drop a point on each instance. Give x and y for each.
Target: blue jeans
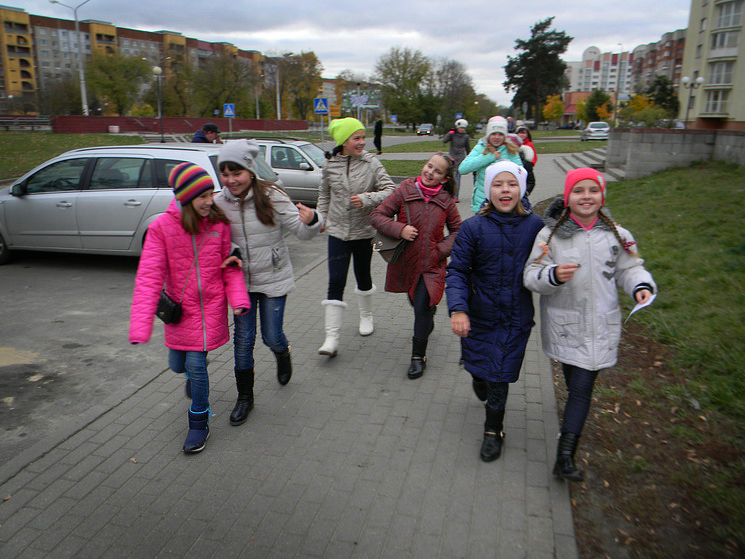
(340, 253)
(580, 383)
(193, 364)
(272, 312)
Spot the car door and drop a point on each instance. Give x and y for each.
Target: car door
(41, 213)
(111, 208)
(296, 171)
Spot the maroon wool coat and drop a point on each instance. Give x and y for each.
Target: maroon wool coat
(427, 255)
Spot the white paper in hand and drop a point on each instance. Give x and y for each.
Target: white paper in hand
(640, 306)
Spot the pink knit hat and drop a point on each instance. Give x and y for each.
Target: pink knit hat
(583, 173)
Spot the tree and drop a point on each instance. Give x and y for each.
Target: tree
(401, 72)
(301, 79)
(598, 98)
(117, 79)
(226, 79)
(538, 70)
(61, 97)
(554, 108)
(453, 90)
(662, 94)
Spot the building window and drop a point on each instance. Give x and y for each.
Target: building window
(729, 14)
(725, 40)
(721, 73)
(716, 101)
(702, 27)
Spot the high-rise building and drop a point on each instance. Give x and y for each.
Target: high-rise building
(608, 71)
(18, 78)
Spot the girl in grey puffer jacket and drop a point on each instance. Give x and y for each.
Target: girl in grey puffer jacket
(354, 183)
(577, 264)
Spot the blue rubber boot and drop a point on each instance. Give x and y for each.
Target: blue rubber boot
(199, 431)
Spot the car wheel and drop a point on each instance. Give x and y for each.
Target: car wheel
(4, 251)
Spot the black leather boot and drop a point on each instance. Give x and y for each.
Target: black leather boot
(244, 381)
(491, 448)
(418, 358)
(284, 367)
(564, 467)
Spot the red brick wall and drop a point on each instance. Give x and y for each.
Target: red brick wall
(75, 124)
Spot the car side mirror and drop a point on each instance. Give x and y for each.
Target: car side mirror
(18, 189)
(305, 166)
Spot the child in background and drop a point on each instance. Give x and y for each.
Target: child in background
(185, 249)
(579, 260)
(420, 270)
(489, 308)
(460, 146)
(490, 148)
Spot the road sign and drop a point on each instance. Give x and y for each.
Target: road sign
(321, 106)
(228, 110)
(458, 115)
(335, 111)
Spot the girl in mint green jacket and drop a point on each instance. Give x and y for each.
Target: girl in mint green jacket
(489, 149)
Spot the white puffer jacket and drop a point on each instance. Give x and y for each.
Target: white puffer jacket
(266, 261)
(345, 176)
(581, 319)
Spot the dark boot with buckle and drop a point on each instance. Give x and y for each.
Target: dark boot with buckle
(564, 467)
(491, 448)
(284, 367)
(199, 431)
(418, 358)
(244, 381)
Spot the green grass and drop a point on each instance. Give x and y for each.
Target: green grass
(22, 151)
(688, 223)
(397, 168)
(538, 134)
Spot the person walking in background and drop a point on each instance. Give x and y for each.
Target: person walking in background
(378, 134)
(185, 249)
(490, 148)
(428, 206)
(528, 154)
(260, 215)
(460, 146)
(490, 310)
(579, 260)
(209, 134)
(353, 183)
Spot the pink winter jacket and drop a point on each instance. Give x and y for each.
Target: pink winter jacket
(168, 258)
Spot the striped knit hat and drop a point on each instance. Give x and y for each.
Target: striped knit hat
(189, 181)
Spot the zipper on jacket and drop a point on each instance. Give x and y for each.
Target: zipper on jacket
(247, 274)
(590, 276)
(199, 290)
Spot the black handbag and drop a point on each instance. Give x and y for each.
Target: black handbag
(388, 247)
(169, 311)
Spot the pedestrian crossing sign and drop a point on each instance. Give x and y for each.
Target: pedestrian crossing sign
(228, 110)
(321, 106)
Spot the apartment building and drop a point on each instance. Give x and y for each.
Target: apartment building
(609, 71)
(18, 79)
(715, 57)
(661, 58)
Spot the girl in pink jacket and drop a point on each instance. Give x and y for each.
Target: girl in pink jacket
(184, 253)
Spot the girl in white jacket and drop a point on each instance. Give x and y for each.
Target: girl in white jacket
(578, 261)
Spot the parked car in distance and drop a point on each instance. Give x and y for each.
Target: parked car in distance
(298, 163)
(98, 200)
(595, 131)
(425, 130)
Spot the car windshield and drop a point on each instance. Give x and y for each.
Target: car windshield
(315, 153)
(598, 125)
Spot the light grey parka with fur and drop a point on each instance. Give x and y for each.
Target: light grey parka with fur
(581, 319)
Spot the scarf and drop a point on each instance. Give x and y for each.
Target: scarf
(427, 192)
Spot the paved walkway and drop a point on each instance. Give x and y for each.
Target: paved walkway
(351, 459)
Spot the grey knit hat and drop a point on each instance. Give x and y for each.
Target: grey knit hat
(240, 152)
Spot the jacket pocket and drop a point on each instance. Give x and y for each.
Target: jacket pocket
(613, 324)
(564, 327)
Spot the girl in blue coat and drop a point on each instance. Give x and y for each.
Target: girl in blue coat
(489, 308)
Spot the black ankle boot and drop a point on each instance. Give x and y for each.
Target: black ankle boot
(244, 381)
(418, 358)
(491, 448)
(284, 367)
(564, 467)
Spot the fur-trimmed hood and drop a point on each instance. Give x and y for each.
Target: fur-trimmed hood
(569, 227)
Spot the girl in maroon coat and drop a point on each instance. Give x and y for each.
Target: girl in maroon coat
(420, 270)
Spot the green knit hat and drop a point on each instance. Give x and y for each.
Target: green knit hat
(342, 128)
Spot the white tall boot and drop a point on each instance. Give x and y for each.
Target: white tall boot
(364, 300)
(334, 310)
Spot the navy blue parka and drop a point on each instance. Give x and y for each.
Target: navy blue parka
(485, 280)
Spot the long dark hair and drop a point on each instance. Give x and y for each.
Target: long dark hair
(191, 220)
(261, 188)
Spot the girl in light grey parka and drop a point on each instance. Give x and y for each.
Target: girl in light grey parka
(577, 264)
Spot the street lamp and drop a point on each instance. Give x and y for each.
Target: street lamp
(83, 95)
(691, 85)
(157, 71)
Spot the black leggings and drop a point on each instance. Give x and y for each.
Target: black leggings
(340, 253)
(496, 394)
(423, 312)
(579, 386)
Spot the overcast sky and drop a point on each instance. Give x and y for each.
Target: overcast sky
(353, 35)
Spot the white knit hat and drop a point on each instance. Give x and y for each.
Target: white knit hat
(501, 166)
(496, 124)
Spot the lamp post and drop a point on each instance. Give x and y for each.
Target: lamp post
(83, 95)
(157, 71)
(690, 85)
(279, 108)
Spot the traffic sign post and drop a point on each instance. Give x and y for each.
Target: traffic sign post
(321, 107)
(228, 111)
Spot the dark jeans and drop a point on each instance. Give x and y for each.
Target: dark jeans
(496, 394)
(423, 317)
(340, 253)
(193, 365)
(377, 142)
(579, 387)
(272, 312)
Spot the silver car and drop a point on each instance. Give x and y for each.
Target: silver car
(98, 200)
(298, 164)
(595, 131)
